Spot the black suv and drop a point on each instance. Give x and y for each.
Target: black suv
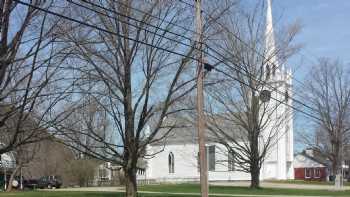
(49, 182)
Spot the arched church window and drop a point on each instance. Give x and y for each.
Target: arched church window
(171, 162)
(211, 158)
(198, 162)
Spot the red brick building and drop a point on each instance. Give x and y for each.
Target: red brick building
(307, 167)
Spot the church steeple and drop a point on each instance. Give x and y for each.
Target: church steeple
(270, 43)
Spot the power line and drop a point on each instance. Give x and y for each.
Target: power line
(251, 48)
(258, 80)
(131, 18)
(102, 29)
(141, 42)
(248, 46)
(156, 17)
(115, 12)
(241, 40)
(188, 4)
(253, 88)
(227, 30)
(136, 26)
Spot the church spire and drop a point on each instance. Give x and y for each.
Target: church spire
(270, 43)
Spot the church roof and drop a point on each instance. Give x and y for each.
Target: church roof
(184, 131)
(315, 156)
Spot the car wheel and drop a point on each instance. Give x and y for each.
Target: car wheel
(49, 186)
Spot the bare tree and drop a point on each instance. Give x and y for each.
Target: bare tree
(88, 125)
(28, 64)
(82, 171)
(131, 75)
(328, 93)
(23, 155)
(51, 158)
(239, 117)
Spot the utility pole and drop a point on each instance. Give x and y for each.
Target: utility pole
(200, 104)
(5, 177)
(21, 179)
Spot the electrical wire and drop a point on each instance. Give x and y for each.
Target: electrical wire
(102, 29)
(254, 50)
(129, 17)
(255, 89)
(185, 44)
(155, 17)
(240, 40)
(144, 43)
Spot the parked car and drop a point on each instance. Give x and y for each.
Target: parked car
(27, 183)
(30, 183)
(49, 182)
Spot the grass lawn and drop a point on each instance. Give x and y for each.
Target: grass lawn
(77, 194)
(183, 188)
(308, 182)
(193, 188)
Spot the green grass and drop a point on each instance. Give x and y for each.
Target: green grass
(183, 188)
(76, 194)
(308, 182)
(192, 188)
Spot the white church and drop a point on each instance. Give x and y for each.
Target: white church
(177, 160)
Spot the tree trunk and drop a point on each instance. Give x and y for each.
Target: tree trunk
(130, 182)
(255, 176)
(334, 167)
(336, 162)
(12, 177)
(255, 161)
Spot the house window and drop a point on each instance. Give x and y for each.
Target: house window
(231, 161)
(211, 158)
(114, 173)
(308, 172)
(210, 155)
(103, 174)
(171, 163)
(141, 171)
(317, 173)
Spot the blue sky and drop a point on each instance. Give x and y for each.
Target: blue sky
(325, 33)
(325, 29)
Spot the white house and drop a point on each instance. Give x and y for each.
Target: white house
(107, 174)
(177, 158)
(7, 165)
(7, 161)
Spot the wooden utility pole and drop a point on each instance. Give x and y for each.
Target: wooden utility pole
(200, 104)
